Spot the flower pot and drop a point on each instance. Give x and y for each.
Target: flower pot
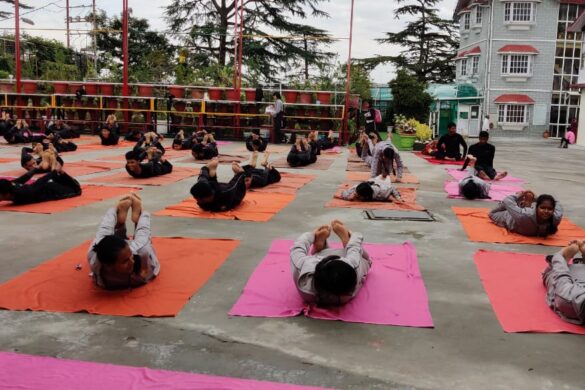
(214, 93)
(177, 92)
(113, 103)
(60, 88)
(250, 94)
(403, 141)
(291, 96)
(91, 88)
(145, 90)
(232, 95)
(545, 134)
(107, 89)
(311, 113)
(179, 106)
(306, 97)
(6, 86)
(324, 97)
(197, 93)
(29, 86)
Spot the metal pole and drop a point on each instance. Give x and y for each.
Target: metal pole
(67, 21)
(241, 47)
(125, 89)
(236, 26)
(95, 61)
(345, 127)
(17, 44)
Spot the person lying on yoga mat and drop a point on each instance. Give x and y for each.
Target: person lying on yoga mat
(385, 160)
(117, 262)
(148, 141)
(206, 149)
(60, 129)
(180, 142)
(212, 195)
(484, 154)
(565, 283)
(20, 133)
(329, 276)
(328, 142)
(301, 153)
(261, 177)
(39, 158)
(108, 137)
(54, 185)
(255, 143)
(472, 187)
(156, 165)
(520, 214)
(376, 190)
(60, 145)
(449, 145)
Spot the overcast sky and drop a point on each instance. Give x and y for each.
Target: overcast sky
(372, 18)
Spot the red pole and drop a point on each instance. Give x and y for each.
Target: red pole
(241, 47)
(125, 89)
(17, 44)
(67, 22)
(236, 5)
(345, 128)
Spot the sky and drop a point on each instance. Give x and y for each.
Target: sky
(372, 19)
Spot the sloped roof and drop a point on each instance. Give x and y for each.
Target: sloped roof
(518, 49)
(514, 98)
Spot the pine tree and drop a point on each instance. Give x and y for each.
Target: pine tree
(429, 43)
(206, 28)
(410, 97)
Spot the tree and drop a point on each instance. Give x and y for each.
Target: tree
(150, 54)
(7, 14)
(410, 97)
(206, 27)
(429, 42)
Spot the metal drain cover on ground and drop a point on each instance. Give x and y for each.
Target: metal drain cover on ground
(400, 215)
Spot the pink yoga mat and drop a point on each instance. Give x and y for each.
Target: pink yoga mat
(36, 372)
(393, 294)
(513, 283)
(497, 191)
(458, 174)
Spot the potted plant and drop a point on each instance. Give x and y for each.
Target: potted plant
(232, 95)
(405, 133)
(324, 97)
(423, 134)
(60, 87)
(290, 96)
(107, 89)
(29, 86)
(145, 90)
(177, 91)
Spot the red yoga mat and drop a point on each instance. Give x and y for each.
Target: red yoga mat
(513, 283)
(321, 164)
(58, 286)
(289, 183)
(433, 160)
(178, 173)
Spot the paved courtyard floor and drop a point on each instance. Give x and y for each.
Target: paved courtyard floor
(467, 348)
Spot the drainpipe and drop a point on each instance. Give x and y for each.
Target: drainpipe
(486, 101)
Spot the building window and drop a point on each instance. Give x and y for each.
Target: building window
(464, 67)
(478, 15)
(523, 12)
(516, 64)
(512, 113)
(475, 65)
(466, 20)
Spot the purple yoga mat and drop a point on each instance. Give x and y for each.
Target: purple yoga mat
(497, 191)
(223, 142)
(393, 294)
(458, 175)
(36, 372)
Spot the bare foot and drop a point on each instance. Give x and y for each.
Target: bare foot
(265, 161)
(254, 159)
(237, 168)
(122, 208)
(136, 207)
(321, 235)
(482, 175)
(212, 166)
(181, 134)
(330, 134)
(501, 175)
(342, 232)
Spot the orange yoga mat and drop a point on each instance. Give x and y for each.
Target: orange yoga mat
(321, 163)
(223, 159)
(271, 148)
(178, 173)
(98, 146)
(289, 183)
(408, 194)
(407, 178)
(256, 207)
(7, 160)
(79, 168)
(479, 228)
(169, 155)
(57, 286)
(353, 166)
(90, 194)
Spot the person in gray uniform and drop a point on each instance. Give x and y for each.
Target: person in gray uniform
(384, 156)
(328, 276)
(520, 214)
(565, 283)
(116, 262)
(376, 190)
(471, 186)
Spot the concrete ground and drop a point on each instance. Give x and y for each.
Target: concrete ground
(467, 349)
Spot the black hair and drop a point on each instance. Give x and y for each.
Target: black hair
(365, 190)
(277, 95)
(133, 155)
(451, 124)
(108, 248)
(201, 190)
(293, 160)
(484, 134)
(177, 141)
(6, 187)
(256, 142)
(471, 190)
(197, 149)
(389, 153)
(24, 159)
(334, 276)
(551, 228)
